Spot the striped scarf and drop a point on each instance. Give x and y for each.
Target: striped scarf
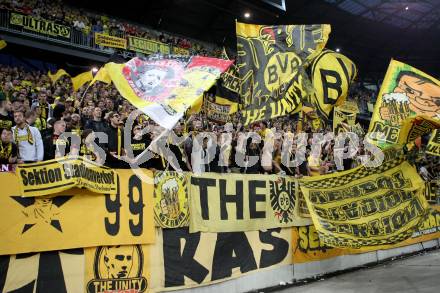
(30, 138)
(5, 152)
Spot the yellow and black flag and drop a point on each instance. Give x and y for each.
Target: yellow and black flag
(407, 106)
(271, 61)
(331, 74)
(433, 147)
(227, 88)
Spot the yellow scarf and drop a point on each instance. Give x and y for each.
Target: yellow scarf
(43, 112)
(87, 152)
(30, 138)
(5, 152)
(40, 123)
(119, 143)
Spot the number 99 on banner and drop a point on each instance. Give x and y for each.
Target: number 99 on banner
(130, 209)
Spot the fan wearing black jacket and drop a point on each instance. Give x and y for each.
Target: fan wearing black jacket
(54, 146)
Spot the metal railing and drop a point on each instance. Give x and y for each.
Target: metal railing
(77, 38)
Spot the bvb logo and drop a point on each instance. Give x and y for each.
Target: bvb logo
(170, 199)
(279, 69)
(119, 268)
(282, 199)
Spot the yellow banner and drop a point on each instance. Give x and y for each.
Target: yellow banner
(110, 41)
(429, 229)
(57, 175)
(171, 208)
(233, 107)
(121, 268)
(79, 80)
(406, 92)
(238, 202)
(331, 74)
(75, 218)
(185, 260)
(433, 147)
(432, 192)
(177, 260)
(415, 127)
(146, 46)
(180, 51)
(53, 271)
(367, 207)
(40, 25)
(57, 75)
(308, 247)
(217, 112)
(303, 209)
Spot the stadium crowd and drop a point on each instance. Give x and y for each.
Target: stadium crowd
(34, 113)
(88, 23)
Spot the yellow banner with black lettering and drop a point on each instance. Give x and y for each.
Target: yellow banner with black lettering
(367, 206)
(171, 207)
(405, 94)
(178, 259)
(110, 41)
(61, 174)
(433, 147)
(239, 202)
(181, 259)
(146, 46)
(216, 112)
(332, 74)
(75, 218)
(180, 51)
(233, 107)
(271, 61)
(432, 192)
(121, 268)
(40, 25)
(308, 247)
(415, 127)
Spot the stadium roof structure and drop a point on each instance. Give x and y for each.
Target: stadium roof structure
(424, 14)
(370, 32)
